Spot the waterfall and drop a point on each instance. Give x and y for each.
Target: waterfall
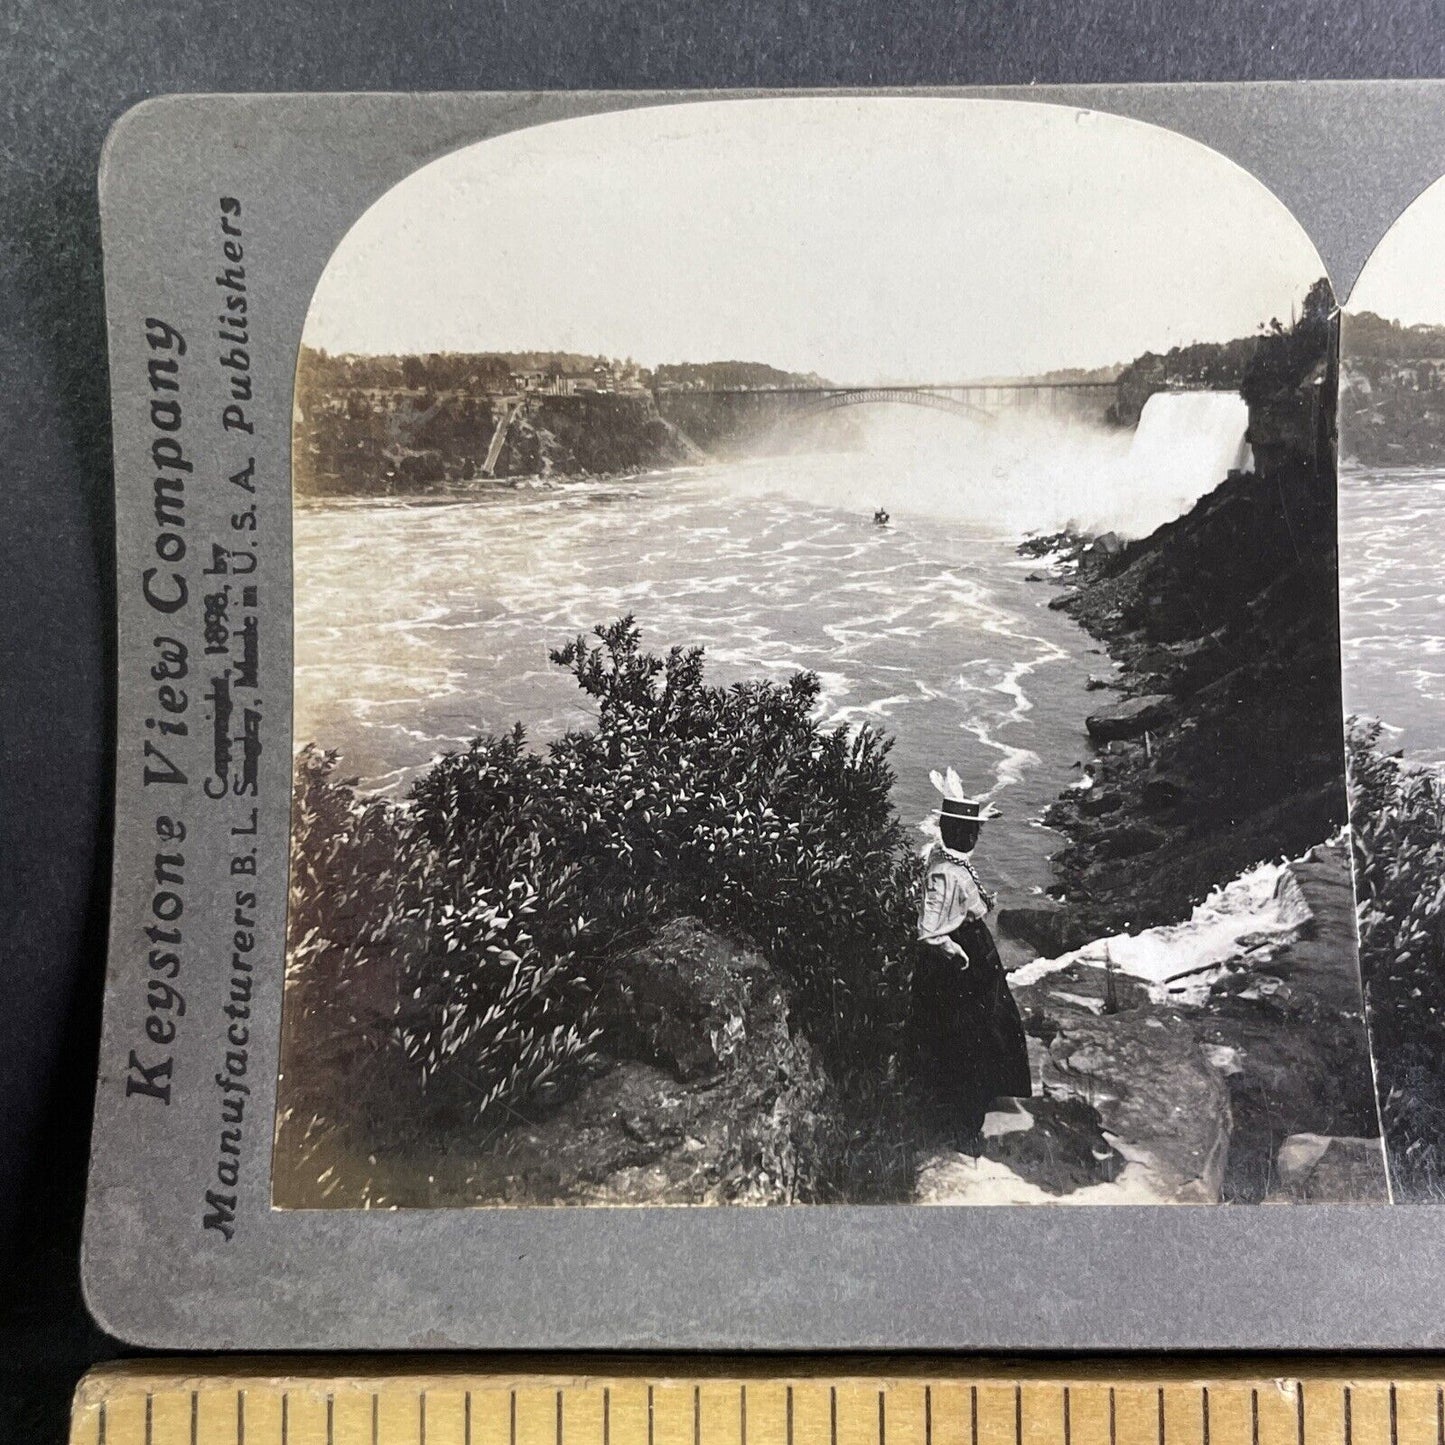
(1022, 470)
(1185, 444)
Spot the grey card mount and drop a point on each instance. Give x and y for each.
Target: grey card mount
(730, 728)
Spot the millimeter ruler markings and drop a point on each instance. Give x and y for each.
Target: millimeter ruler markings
(268, 1403)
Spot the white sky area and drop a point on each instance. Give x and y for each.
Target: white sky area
(1404, 279)
(867, 239)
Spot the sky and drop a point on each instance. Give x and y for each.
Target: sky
(866, 239)
(1404, 279)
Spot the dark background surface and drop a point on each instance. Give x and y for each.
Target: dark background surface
(68, 68)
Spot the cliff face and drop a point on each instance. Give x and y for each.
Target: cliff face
(591, 435)
(398, 442)
(1392, 392)
(1226, 746)
(414, 425)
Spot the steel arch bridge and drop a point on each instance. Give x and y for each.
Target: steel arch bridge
(933, 399)
(975, 400)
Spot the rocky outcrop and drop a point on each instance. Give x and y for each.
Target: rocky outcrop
(1220, 1060)
(1160, 1108)
(1295, 1024)
(1226, 746)
(1131, 718)
(690, 1000)
(708, 1098)
(1048, 929)
(1319, 1169)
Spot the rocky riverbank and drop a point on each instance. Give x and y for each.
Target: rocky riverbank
(1210, 1031)
(1221, 1060)
(1218, 732)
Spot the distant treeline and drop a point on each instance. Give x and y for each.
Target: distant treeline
(500, 371)
(1392, 393)
(723, 374)
(441, 370)
(1375, 338)
(1079, 373)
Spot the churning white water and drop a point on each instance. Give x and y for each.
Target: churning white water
(1392, 603)
(1252, 917)
(929, 628)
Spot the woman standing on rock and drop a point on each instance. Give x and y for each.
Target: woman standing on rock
(967, 1036)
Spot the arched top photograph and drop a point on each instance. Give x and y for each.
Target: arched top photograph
(1392, 506)
(817, 675)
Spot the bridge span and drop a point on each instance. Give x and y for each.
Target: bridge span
(981, 400)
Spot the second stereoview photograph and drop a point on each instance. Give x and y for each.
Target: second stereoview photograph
(1392, 601)
(817, 675)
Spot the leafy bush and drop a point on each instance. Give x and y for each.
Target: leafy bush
(1397, 823)
(445, 953)
(729, 804)
(419, 1008)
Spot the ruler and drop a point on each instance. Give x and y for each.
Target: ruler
(687, 1402)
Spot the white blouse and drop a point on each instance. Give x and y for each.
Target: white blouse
(952, 895)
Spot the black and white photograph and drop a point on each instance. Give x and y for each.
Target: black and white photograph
(817, 675)
(1392, 502)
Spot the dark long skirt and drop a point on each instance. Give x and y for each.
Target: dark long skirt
(967, 1037)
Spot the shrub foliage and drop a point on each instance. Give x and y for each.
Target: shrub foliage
(445, 952)
(1397, 824)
